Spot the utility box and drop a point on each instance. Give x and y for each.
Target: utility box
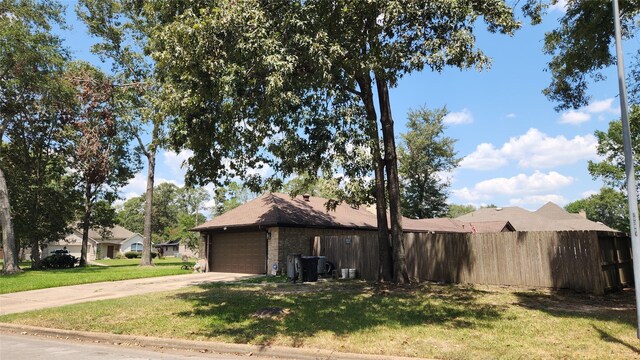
(294, 267)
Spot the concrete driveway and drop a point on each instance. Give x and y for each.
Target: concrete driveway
(65, 295)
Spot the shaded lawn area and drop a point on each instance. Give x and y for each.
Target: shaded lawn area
(117, 269)
(430, 320)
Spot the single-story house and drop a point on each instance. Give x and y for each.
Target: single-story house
(101, 245)
(174, 248)
(256, 237)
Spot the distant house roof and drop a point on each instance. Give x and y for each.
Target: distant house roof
(552, 211)
(115, 234)
(170, 243)
(482, 227)
(550, 217)
(439, 225)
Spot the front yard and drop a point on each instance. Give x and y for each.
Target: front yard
(430, 320)
(122, 269)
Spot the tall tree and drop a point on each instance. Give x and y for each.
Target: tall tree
(582, 46)
(175, 211)
(102, 160)
(32, 113)
(609, 207)
(130, 214)
(610, 148)
(120, 25)
(281, 66)
(425, 154)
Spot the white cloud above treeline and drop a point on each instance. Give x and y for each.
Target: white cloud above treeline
(534, 149)
(576, 117)
(520, 185)
(460, 117)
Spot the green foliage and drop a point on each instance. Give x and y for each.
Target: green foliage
(609, 207)
(131, 214)
(173, 213)
(583, 45)
(610, 146)
(424, 155)
(36, 101)
(456, 210)
(132, 255)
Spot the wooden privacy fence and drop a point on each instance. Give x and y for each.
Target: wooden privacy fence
(581, 260)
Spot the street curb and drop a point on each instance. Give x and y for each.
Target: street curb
(191, 345)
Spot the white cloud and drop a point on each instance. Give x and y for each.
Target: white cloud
(174, 161)
(510, 115)
(520, 185)
(605, 105)
(574, 117)
(136, 186)
(486, 157)
(588, 193)
(560, 6)
(534, 149)
(460, 117)
(469, 195)
(535, 201)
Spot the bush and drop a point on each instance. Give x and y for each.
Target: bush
(132, 255)
(154, 255)
(59, 261)
(119, 256)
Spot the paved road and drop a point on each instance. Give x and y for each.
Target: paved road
(25, 347)
(65, 295)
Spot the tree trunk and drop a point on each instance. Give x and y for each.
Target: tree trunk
(384, 246)
(10, 263)
(86, 219)
(148, 202)
(400, 274)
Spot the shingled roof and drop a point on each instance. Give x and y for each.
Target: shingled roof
(276, 209)
(550, 217)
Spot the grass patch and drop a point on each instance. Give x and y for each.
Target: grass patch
(436, 321)
(119, 269)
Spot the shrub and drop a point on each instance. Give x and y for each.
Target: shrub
(132, 255)
(154, 255)
(119, 256)
(59, 261)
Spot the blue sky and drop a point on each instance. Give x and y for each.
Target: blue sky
(517, 150)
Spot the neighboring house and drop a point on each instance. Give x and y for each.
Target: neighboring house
(549, 217)
(256, 237)
(101, 244)
(174, 248)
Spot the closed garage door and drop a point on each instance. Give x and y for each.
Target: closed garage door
(239, 253)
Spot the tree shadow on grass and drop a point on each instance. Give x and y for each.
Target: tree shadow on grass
(618, 307)
(231, 310)
(605, 336)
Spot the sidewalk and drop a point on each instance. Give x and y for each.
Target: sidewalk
(65, 295)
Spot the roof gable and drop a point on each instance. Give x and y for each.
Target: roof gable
(276, 209)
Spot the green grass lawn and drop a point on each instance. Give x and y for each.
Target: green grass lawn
(117, 269)
(435, 321)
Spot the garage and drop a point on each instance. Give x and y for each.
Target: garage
(241, 252)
